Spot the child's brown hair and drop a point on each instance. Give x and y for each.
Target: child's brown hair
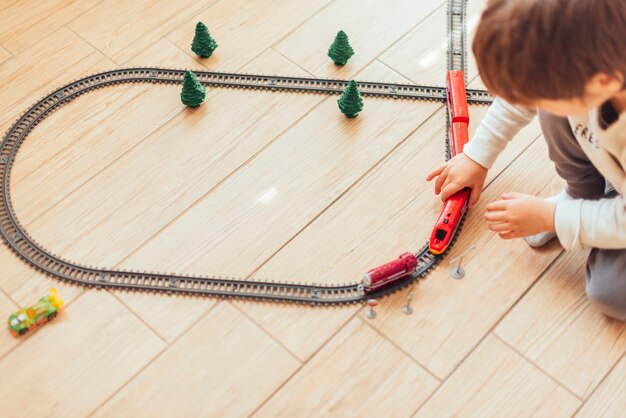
(549, 49)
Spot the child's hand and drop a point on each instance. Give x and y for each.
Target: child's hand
(456, 174)
(519, 215)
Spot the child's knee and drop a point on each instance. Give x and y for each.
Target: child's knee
(607, 293)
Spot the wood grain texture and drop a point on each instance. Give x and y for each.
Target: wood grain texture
(35, 71)
(24, 24)
(425, 47)
(609, 401)
(351, 376)
(7, 340)
(77, 361)
(225, 367)
(89, 134)
(372, 26)
(494, 381)
(4, 54)
(243, 29)
(557, 328)
(123, 29)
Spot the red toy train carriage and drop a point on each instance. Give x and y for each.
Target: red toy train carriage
(390, 272)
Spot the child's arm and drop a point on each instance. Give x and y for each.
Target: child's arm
(469, 169)
(501, 123)
(592, 223)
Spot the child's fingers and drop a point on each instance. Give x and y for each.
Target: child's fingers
(496, 216)
(448, 190)
(474, 197)
(508, 235)
(441, 182)
(497, 205)
(509, 196)
(500, 227)
(435, 173)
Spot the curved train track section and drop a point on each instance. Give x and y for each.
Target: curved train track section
(20, 241)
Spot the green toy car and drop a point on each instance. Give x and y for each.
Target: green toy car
(46, 309)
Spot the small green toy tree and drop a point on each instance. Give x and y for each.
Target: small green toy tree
(203, 43)
(340, 51)
(193, 92)
(350, 103)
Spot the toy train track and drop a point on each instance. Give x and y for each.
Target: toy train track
(20, 241)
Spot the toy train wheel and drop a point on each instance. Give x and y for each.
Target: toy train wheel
(52, 316)
(23, 331)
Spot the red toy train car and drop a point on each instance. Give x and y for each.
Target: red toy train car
(456, 205)
(381, 276)
(457, 97)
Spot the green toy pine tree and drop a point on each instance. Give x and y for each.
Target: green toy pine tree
(193, 92)
(350, 103)
(340, 51)
(203, 43)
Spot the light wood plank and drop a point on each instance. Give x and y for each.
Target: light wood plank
(452, 316)
(7, 340)
(351, 376)
(556, 327)
(24, 24)
(372, 27)
(37, 70)
(89, 134)
(123, 29)
(425, 48)
(4, 54)
(610, 398)
(76, 362)
(224, 367)
(496, 381)
(244, 29)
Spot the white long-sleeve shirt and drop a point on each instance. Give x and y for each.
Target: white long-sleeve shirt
(579, 223)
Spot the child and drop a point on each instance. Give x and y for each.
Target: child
(565, 61)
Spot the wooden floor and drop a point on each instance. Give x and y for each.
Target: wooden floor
(278, 186)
